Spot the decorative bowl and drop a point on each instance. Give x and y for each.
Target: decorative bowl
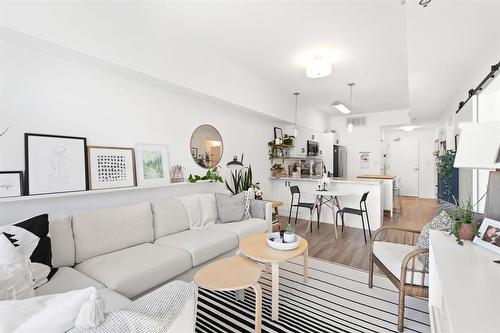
(274, 240)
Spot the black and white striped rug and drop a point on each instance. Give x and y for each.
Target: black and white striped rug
(336, 299)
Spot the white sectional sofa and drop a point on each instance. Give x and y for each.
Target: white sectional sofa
(128, 251)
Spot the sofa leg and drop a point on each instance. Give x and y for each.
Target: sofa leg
(401, 310)
(370, 273)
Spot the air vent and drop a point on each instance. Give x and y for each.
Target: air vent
(356, 121)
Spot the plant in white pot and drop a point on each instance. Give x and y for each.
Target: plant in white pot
(289, 235)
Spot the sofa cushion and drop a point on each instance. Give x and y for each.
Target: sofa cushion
(112, 300)
(136, 269)
(169, 216)
(62, 242)
(392, 255)
(66, 279)
(203, 245)
(107, 230)
(231, 208)
(201, 209)
(242, 228)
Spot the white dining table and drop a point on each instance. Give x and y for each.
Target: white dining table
(329, 199)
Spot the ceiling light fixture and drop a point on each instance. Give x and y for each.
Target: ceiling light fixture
(318, 67)
(295, 128)
(409, 128)
(340, 106)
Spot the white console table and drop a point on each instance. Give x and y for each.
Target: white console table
(464, 286)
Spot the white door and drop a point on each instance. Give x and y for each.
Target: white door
(403, 157)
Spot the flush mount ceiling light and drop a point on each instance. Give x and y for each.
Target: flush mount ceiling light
(340, 106)
(318, 67)
(409, 128)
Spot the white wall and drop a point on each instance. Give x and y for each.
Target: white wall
(366, 139)
(426, 160)
(47, 93)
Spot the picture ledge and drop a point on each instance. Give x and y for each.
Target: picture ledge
(91, 192)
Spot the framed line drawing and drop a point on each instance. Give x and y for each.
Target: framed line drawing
(278, 133)
(152, 164)
(11, 184)
(111, 167)
(55, 163)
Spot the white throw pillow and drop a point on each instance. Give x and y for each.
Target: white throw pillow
(51, 313)
(15, 275)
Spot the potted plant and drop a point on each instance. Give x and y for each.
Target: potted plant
(289, 235)
(277, 170)
(288, 139)
(464, 227)
(445, 168)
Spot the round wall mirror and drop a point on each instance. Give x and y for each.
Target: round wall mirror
(206, 146)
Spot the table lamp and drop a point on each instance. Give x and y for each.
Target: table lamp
(479, 148)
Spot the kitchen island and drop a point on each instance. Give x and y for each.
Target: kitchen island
(388, 184)
(353, 187)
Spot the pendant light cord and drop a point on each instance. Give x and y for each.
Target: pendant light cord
(296, 104)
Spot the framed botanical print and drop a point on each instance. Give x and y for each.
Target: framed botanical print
(152, 164)
(55, 163)
(111, 167)
(11, 184)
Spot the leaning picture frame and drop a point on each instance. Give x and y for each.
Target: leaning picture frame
(111, 167)
(55, 163)
(152, 164)
(11, 184)
(489, 235)
(278, 133)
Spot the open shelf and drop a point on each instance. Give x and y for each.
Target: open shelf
(282, 145)
(92, 192)
(297, 158)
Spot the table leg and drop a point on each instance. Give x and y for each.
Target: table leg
(275, 291)
(267, 267)
(258, 307)
(312, 214)
(335, 203)
(306, 264)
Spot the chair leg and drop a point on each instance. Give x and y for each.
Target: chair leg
(342, 218)
(318, 209)
(370, 273)
(368, 222)
(401, 310)
(297, 214)
(290, 214)
(363, 223)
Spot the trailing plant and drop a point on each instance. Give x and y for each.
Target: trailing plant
(289, 229)
(463, 214)
(211, 175)
(445, 167)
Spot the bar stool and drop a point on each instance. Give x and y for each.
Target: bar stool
(362, 210)
(294, 190)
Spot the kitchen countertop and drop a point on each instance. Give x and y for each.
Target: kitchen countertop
(335, 180)
(386, 177)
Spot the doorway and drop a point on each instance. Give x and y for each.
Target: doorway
(403, 162)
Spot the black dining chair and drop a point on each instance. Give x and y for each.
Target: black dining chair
(294, 190)
(362, 210)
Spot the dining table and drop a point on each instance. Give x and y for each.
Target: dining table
(329, 198)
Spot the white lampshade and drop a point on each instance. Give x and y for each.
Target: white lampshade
(478, 146)
(318, 68)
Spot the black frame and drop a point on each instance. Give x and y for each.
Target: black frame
(26, 161)
(276, 134)
(21, 184)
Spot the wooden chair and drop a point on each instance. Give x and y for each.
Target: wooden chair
(398, 259)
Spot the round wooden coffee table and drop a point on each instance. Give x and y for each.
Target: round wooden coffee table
(233, 273)
(256, 247)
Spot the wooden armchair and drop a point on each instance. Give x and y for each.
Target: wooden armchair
(397, 259)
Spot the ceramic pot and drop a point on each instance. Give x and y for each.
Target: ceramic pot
(466, 232)
(289, 238)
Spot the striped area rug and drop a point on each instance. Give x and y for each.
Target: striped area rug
(336, 299)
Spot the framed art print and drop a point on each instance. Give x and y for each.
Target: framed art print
(11, 184)
(489, 235)
(153, 167)
(278, 133)
(55, 163)
(111, 167)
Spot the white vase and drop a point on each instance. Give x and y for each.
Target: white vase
(289, 238)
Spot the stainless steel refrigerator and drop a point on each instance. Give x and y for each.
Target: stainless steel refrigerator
(339, 161)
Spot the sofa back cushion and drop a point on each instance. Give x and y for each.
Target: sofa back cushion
(201, 209)
(108, 230)
(169, 216)
(62, 242)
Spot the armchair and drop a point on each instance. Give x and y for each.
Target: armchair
(397, 258)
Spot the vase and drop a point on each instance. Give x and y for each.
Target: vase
(466, 232)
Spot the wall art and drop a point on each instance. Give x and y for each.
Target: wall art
(11, 184)
(153, 167)
(111, 167)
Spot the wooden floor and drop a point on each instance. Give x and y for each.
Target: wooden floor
(350, 249)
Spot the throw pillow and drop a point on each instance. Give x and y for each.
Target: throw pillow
(15, 274)
(230, 208)
(248, 198)
(31, 239)
(441, 222)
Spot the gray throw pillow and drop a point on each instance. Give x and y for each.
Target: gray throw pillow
(231, 208)
(441, 222)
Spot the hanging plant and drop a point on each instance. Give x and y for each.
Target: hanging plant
(445, 167)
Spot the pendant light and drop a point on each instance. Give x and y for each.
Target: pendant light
(350, 126)
(295, 129)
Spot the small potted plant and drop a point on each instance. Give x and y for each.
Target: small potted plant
(464, 227)
(288, 139)
(289, 235)
(277, 170)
